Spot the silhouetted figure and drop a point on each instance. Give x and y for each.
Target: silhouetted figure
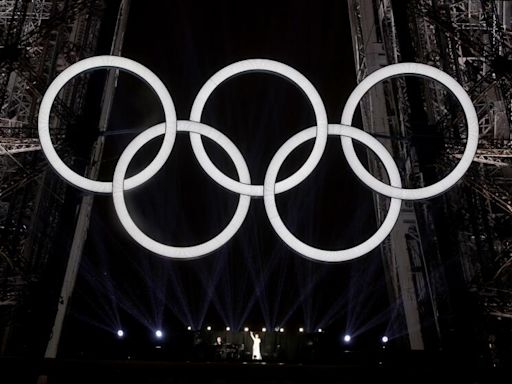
(220, 351)
(256, 341)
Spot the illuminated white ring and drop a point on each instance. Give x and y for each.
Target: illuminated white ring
(274, 67)
(106, 62)
(305, 249)
(167, 250)
(423, 71)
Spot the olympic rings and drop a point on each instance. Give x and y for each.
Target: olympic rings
(243, 186)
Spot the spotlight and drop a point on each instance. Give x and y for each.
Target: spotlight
(208, 328)
(158, 333)
(385, 339)
(189, 328)
(246, 329)
(120, 333)
(320, 330)
(228, 329)
(347, 338)
(263, 329)
(281, 330)
(301, 329)
(276, 329)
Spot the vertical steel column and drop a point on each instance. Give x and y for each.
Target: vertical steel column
(84, 214)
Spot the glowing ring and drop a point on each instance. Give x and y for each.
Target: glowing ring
(469, 111)
(167, 250)
(260, 65)
(305, 249)
(244, 187)
(106, 62)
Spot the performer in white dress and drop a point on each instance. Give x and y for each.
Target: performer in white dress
(256, 341)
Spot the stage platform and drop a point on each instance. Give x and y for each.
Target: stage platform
(409, 367)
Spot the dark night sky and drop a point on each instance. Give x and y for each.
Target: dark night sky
(254, 279)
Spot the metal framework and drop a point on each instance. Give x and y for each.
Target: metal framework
(476, 39)
(403, 253)
(38, 39)
(472, 41)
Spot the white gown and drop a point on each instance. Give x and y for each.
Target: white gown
(256, 353)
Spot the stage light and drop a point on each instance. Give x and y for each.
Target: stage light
(263, 329)
(276, 329)
(301, 329)
(189, 328)
(159, 333)
(120, 333)
(228, 329)
(208, 328)
(246, 329)
(281, 330)
(385, 339)
(320, 330)
(347, 338)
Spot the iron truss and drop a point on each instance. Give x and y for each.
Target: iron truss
(38, 39)
(472, 40)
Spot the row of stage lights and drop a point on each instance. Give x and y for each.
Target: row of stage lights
(246, 329)
(347, 338)
(159, 334)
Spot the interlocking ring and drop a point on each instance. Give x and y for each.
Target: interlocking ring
(106, 62)
(243, 186)
(268, 66)
(307, 250)
(153, 245)
(423, 71)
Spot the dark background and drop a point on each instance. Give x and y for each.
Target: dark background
(254, 280)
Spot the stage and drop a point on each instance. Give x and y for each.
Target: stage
(352, 367)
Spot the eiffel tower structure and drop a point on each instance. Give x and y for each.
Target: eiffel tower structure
(449, 260)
